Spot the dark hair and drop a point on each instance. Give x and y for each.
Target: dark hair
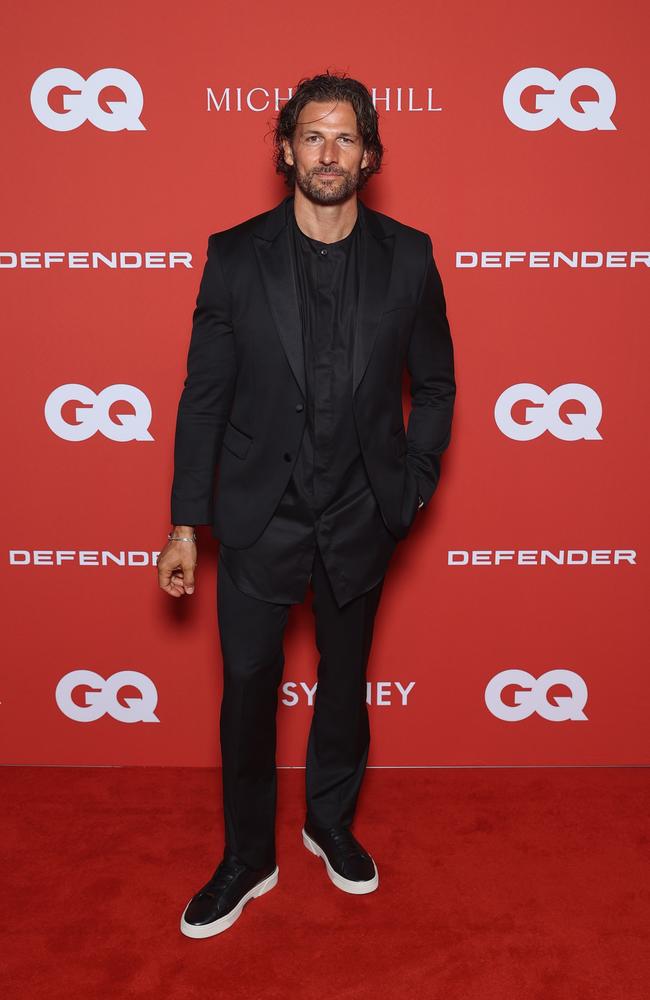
(324, 87)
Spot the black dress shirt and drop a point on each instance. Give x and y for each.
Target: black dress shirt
(328, 501)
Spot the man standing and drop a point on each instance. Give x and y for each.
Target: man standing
(305, 317)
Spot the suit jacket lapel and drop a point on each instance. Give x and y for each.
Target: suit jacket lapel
(375, 271)
(272, 246)
(272, 242)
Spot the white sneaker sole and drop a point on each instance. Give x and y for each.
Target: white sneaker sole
(223, 923)
(346, 884)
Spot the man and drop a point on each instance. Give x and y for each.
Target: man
(305, 317)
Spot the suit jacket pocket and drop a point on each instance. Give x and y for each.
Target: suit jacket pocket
(400, 306)
(236, 441)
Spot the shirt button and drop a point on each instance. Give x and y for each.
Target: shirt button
(323, 251)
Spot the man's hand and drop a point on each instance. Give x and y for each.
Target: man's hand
(176, 564)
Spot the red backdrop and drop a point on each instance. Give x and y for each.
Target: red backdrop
(508, 130)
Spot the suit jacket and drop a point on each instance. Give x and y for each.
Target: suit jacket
(241, 413)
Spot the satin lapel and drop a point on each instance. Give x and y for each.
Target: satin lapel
(274, 255)
(375, 271)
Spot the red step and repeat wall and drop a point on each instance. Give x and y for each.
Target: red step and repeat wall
(513, 623)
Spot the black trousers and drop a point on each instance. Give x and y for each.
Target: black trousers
(251, 634)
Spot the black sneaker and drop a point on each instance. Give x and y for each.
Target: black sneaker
(348, 865)
(220, 902)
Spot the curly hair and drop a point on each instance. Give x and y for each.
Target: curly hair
(324, 87)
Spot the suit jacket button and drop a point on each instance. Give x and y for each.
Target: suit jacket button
(287, 456)
(299, 407)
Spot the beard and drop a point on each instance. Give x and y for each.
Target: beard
(325, 192)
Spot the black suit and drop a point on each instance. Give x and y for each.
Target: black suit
(240, 407)
(329, 503)
(251, 374)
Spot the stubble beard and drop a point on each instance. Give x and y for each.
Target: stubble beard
(326, 192)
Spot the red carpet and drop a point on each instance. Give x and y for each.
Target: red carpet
(512, 884)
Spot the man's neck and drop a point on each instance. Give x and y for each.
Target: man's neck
(327, 223)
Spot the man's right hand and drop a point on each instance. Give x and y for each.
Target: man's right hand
(176, 564)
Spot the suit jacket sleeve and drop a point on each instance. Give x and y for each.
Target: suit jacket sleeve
(206, 398)
(430, 362)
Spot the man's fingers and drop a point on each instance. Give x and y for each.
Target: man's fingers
(176, 579)
(174, 585)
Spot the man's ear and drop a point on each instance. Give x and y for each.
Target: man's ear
(288, 155)
(365, 159)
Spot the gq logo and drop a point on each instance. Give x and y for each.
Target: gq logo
(544, 415)
(81, 103)
(94, 416)
(532, 696)
(103, 696)
(556, 103)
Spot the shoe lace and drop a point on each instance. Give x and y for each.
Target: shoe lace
(227, 870)
(346, 842)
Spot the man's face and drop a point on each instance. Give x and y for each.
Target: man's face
(327, 151)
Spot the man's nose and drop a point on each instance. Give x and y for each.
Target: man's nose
(329, 151)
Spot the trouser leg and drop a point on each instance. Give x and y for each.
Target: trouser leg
(339, 736)
(251, 634)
